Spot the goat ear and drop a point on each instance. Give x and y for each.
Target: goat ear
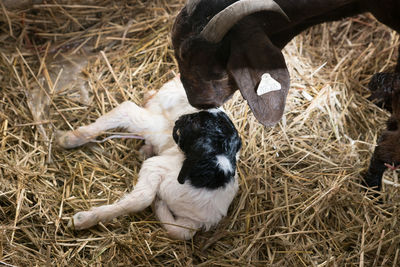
(259, 70)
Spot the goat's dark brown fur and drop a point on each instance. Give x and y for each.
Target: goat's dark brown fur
(212, 72)
(385, 88)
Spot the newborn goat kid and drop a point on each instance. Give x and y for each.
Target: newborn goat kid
(193, 184)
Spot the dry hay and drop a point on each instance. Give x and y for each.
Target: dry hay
(300, 202)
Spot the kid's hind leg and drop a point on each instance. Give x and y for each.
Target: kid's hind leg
(179, 227)
(127, 115)
(140, 198)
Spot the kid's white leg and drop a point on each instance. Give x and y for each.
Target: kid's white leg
(127, 115)
(179, 227)
(141, 197)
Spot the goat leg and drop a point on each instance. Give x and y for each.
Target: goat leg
(140, 198)
(179, 227)
(397, 69)
(373, 177)
(382, 86)
(128, 115)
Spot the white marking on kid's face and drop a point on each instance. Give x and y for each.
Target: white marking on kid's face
(224, 163)
(268, 84)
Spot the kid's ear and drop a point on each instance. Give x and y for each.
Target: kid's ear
(185, 171)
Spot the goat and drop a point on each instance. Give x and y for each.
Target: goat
(225, 45)
(385, 89)
(193, 178)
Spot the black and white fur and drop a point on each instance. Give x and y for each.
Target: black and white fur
(192, 183)
(208, 139)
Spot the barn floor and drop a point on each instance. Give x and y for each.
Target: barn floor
(300, 202)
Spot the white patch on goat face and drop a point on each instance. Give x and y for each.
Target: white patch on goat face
(268, 84)
(224, 163)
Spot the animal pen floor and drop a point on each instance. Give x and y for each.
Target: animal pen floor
(300, 202)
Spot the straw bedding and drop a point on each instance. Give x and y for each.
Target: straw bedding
(300, 202)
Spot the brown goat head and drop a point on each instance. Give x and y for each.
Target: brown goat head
(217, 55)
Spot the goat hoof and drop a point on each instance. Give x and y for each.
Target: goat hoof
(70, 139)
(83, 220)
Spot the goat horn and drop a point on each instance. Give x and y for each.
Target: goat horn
(222, 22)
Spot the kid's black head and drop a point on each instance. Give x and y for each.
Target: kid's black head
(210, 143)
